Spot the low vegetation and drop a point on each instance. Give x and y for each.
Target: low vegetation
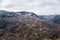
(28, 28)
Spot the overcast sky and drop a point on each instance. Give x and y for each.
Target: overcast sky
(37, 6)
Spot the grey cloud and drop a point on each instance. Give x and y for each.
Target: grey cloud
(37, 6)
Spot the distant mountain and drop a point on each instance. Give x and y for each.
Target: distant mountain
(22, 13)
(46, 16)
(7, 13)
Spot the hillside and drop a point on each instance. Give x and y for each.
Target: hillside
(27, 26)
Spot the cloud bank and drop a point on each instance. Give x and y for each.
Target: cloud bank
(38, 6)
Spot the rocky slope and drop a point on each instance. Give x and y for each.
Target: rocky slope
(27, 26)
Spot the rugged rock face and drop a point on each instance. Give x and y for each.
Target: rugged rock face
(27, 26)
(27, 29)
